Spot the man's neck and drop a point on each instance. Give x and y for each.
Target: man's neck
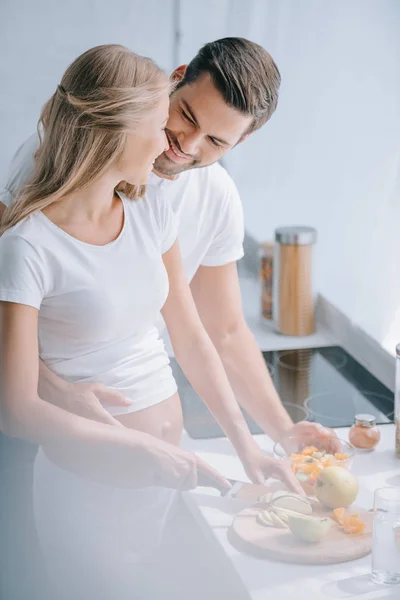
(163, 176)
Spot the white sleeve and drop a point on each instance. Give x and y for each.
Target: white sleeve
(227, 245)
(20, 170)
(22, 277)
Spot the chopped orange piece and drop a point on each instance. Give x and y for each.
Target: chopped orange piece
(309, 450)
(339, 514)
(340, 456)
(355, 526)
(328, 462)
(307, 467)
(315, 472)
(351, 524)
(296, 457)
(351, 521)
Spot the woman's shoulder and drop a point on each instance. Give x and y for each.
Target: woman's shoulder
(26, 229)
(25, 238)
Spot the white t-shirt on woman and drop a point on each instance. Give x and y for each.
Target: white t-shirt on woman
(205, 202)
(98, 305)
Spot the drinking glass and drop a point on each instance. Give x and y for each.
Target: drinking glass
(386, 536)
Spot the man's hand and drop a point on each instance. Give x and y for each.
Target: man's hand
(259, 467)
(84, 399)
(310, 434)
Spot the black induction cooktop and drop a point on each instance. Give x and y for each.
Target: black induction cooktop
(319, 384)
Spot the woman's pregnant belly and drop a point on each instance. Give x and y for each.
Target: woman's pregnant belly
(163, 421)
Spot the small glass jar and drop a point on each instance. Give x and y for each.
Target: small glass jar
(364, 433)
(266, 274)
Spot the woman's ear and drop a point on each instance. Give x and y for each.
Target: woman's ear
(178, 74)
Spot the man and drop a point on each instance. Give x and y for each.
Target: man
(228, 91)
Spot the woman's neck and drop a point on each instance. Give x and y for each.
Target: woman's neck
(91, 203)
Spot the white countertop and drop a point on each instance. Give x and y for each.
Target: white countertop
(264, 332)
(261, 579)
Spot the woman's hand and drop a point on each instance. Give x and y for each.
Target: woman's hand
(260, 467)
(181, 470)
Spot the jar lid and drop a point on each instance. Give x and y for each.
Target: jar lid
(365, 420)
(266, 247)
(296, 236)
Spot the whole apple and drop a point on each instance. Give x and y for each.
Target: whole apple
(336, 487)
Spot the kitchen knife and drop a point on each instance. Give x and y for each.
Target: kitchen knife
(238, 489)
(233, 491)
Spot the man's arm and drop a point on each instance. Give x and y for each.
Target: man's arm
(83, 399)
(216, 293)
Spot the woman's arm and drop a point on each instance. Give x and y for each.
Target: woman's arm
(201, 364)
(23, 413)
(117, 455)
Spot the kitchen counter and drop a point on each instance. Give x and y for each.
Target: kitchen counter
(264, 332)
(259, 579)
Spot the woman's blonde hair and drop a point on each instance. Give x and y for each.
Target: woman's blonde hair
(82, 129)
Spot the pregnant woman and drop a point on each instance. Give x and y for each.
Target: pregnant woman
(88, 259)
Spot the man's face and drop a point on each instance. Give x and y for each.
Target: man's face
(200, 129)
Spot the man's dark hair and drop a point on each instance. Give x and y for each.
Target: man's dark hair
(243, 72)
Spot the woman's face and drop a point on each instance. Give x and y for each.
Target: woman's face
(144, 145)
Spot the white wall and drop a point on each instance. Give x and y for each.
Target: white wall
(330, 157)
(39, 38)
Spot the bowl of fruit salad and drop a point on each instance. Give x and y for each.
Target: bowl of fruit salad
(308, 457)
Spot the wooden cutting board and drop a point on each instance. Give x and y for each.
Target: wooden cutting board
(247, 535)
